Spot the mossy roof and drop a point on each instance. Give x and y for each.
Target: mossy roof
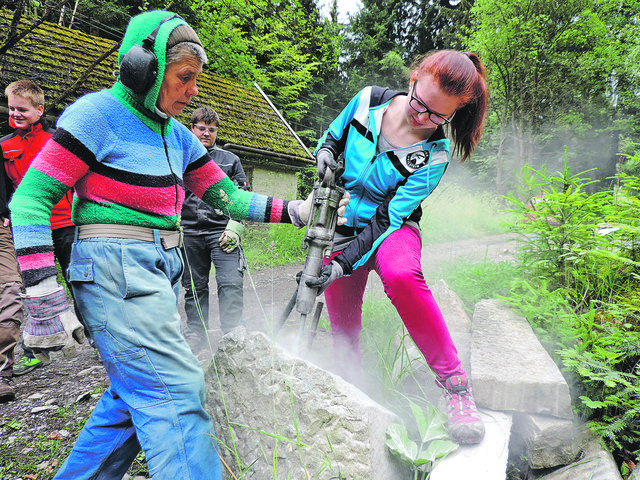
(55, 57)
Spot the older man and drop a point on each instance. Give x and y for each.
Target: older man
(129, 161)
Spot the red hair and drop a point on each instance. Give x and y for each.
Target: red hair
(462, 75)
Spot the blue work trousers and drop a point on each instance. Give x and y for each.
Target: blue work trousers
(127, 292)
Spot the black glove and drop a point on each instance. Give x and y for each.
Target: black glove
(325, 159)
(328, 274)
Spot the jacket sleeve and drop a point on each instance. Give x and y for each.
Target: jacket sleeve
(51, 174)
(334, 138)
(389, 216)
(237, 175)
(364, 241)
(336, 135)
(207, 181)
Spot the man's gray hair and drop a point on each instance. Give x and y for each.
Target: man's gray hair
(184, 50)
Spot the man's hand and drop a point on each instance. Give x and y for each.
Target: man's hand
(328, 275)
(230, 238)
(50, 322)
(5, 221)
(299, 210)
(325, 160)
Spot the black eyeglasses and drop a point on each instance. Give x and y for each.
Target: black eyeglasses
(201, 129)
(420, 107)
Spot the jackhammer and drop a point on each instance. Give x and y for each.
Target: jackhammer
(318, 239)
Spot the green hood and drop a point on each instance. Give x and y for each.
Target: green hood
(138, 29)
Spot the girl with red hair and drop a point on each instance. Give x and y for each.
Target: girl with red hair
(395, 150)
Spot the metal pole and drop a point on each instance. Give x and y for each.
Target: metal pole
(284, 121)
(73, 15)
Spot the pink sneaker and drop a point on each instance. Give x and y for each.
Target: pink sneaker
(465, 425)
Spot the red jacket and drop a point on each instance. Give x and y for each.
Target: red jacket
(19, 149)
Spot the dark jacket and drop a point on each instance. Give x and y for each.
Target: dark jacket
(197, 217)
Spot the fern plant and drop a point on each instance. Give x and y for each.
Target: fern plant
(580, 259)
(607, 359)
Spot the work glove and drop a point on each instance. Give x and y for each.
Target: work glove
(325, 159)
(328, 274)
(230, 238)
(299, 210)
(50, 323)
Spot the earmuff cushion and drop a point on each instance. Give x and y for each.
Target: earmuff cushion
(139, 69)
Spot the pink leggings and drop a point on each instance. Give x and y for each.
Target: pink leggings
(397, 262)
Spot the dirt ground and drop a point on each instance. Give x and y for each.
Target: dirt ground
(51, 402)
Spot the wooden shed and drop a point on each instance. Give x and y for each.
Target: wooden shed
(57, 58)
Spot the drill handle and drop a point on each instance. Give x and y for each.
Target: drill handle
(334, 177)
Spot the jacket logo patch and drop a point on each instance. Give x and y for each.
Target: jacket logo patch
(417, 159)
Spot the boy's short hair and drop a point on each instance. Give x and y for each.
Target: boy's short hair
(205, 115)
(26, 89)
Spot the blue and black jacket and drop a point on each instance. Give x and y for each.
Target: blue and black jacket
(386, 188)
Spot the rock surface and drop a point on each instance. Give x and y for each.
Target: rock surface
(547, 442)
(285, 415)
(511, 370)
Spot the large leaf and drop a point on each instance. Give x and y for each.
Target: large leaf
(435, 450)
(400, 444)
(431, 426)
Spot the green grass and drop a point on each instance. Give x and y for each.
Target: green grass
(273, 245)
(475, 281)
(453, 212)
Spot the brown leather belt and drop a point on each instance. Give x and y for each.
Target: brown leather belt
(169, 238)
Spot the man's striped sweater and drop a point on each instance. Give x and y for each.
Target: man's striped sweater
(128, 167)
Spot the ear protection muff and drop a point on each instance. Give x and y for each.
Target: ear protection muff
(139, 66)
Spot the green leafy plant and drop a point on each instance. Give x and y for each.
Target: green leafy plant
(607, 359)
(578, 289)
(432, 443)
(14, 424)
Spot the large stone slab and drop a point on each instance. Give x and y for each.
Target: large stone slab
(510, 369)
(452, 307)
(286, 418)
(596, 464)
(457, 320)
(545, 441)
(485, 461)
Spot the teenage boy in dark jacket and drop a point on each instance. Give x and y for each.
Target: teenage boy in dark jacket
(210, 237)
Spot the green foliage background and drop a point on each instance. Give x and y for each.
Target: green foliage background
(562, 123)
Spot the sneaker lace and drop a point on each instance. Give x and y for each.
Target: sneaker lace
(25, 362)
(460, 402)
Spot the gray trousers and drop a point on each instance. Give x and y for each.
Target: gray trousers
(202, 251)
